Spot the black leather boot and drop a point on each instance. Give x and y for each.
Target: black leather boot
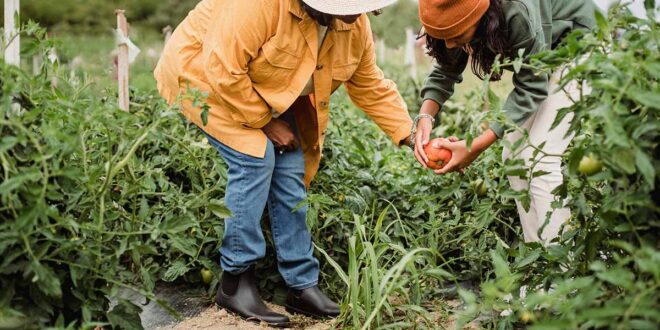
(238, 294)
(311, 302)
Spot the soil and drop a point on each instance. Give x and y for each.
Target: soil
(219, 319)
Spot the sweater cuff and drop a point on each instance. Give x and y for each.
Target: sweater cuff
(497, 128)
(436, 96)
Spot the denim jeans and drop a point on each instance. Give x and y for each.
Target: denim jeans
(276, 181)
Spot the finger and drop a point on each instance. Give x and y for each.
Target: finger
(425, 135)
(276, 143)
(419, 150)
(446, 169)
(453, 139)
(291, 145)
(419, 158)
(442, 143)
(451, 166)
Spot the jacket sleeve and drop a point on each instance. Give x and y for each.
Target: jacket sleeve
(530, 88)
(239, 30)
(376, 96)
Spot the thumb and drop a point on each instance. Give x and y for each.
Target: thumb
(448, 167)
(441, 143)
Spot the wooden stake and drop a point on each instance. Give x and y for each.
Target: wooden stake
(122, 74)
(12, 36)
(37, 63)
(167, 32)
(380, 47)
(410, 59)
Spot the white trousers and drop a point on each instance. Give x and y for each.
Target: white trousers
(540, 188)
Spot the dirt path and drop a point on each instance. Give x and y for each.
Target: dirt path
(218, 319)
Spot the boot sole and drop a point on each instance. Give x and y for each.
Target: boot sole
(252, 318)
(294, 310)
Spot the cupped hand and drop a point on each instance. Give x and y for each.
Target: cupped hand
(422, 137)
(280, 132)
(461, 156)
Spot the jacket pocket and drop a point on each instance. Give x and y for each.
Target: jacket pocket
(343, 72)
(280, 57)
(273, 63)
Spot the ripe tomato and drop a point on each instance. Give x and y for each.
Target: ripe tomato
(206, 274)
(438, 157)
(589, 165)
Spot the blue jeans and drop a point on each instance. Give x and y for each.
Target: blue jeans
(277, 181)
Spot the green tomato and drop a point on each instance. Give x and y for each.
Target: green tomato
(589, 165)
(207, 276)
(479, 187)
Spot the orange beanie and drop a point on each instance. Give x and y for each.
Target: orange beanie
(446, 19)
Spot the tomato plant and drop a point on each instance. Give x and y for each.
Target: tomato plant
(93, 200)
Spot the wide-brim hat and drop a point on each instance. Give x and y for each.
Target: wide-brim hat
(347, 7)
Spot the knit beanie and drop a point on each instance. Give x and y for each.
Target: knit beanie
(446, 19)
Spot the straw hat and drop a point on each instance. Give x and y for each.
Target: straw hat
(347, 7)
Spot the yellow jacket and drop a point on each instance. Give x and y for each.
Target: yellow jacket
(251, 56)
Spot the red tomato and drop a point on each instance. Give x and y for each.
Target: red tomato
(438, 157)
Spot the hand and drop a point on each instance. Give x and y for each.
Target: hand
(424, 127)
(280, 132)
(460, 156)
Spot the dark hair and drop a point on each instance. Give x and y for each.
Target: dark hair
(323, 18)
(489, 43)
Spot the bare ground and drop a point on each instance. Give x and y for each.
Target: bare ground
(219, 319)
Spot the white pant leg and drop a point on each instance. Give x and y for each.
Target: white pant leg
(540, 188)
(527, 218)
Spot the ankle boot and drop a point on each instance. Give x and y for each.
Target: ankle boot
(238, 294)
(311, 302)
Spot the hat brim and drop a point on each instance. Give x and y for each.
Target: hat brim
(347, 7)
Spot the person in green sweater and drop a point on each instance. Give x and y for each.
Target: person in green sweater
(476, 32)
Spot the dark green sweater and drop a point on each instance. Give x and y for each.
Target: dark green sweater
(532, 25)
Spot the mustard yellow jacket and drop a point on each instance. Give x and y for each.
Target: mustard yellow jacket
(254, 55)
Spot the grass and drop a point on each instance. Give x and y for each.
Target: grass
(91, 55)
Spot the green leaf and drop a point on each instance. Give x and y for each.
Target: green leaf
(176, 225)
(618, 276)
(537, 174)
(439, 273)
(530, 258)
(601, 22)
(647, 98)
(184, 245)
(125, 315)
(625, 160)
(147, 279)
(177, 269)
(29, 175)
(645, 166)
(219, 209)
(46, 280)
(500, 265)
(205, 114)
